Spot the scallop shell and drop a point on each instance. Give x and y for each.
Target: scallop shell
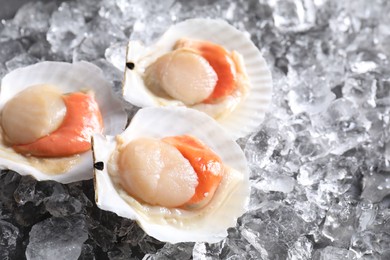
(250, 112)
(69, 78)
(158, 123)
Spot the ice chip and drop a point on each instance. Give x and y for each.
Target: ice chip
(173, 251)
(8, 239)
(87, 252)
(272, 232)
(309, 93)
(311, 173)
(339, 224)
(308, 211)
(363, 66)
(375, 186)
(67, 28)
(100, 34)
(121, 252)
(57, 238)
(276, 183)
(21, 60)
(302, 249)
(360, 89)
(116, 55)
(61, 205)
(34, 17)
(10, 49)
(371, 243)
(343, 125)
(25, 192)
(9, 31)
(334, 253)
(294, 15)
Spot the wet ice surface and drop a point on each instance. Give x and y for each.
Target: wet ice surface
(57, 238)
(320, 163)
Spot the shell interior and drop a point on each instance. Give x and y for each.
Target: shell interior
(250, 112)
(159, 123)
(67, 77)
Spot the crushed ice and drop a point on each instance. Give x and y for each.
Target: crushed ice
(320, 163)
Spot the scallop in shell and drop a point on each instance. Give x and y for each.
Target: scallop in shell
(46, 82)
(155, 75)
(207, 222)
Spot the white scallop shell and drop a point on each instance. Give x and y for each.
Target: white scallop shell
(250, 112)
(158, 123)
(69, 78)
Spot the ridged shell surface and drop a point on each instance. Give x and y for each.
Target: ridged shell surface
(249, 114)
(68, 77)
(162, 122)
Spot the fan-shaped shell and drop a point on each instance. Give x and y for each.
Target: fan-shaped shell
(67, 77)
(250, 112)
(174, 225)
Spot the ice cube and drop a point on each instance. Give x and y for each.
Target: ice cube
(113, 75)
(294, 15)
(310, 94)
(9, 31)
(61, 205)
(272, 232)
(57, 238)
(343, 126)
(67, 28)
(206, 251)
(8, 240)
(26, 190)
(10, 49)
(360, 89)
(375, 186)
(334, 253)
(120, 252)
(34, 17)
(301, 250)
(21, 60)
(173, 251)
(100, 34)
(87, 252)
(339, 224)
(275, 183)
(371, 243)
(116, 55)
